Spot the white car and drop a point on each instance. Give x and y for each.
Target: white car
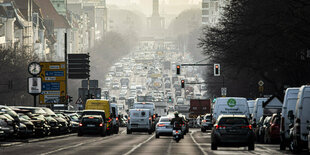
(164, 127)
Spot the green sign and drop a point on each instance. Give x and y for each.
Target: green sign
(231, 102)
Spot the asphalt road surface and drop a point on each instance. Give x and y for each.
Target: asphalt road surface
(194, 143)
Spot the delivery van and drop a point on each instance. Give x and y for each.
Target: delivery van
(147, 105)
(300, 129)
(139, 120)
(251, 106)
(287, 118)
(99, 104)
(230, 106)
(258, 109)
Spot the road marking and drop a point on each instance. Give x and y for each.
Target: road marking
(169, 148)
(199, 146)
(139, 145)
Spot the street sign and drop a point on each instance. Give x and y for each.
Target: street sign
(53, 76)
(79, 101)
(78, 66)
(260, 83)
(223, 91)
(34, 85)
(53, 71)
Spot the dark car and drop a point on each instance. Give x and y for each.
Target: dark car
(63, 124)
(206, 123)
(232, 130)
(92, 124)
(259, 130)
(6, 130)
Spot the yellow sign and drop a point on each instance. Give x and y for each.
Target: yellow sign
(53, 76)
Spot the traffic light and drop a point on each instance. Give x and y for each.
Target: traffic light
(217, 70)
(178, 69)
(182, 83)
(169, 99)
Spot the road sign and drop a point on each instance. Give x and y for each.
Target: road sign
(223, 91)
(260, 83)
(34, 85)
(53, 76)
(79, 101)
(53, 71)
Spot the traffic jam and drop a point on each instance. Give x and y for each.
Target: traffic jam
(153, 99)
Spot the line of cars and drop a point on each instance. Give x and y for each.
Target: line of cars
(26, 122)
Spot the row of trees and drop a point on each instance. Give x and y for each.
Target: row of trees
(14, 67)
(260, 40)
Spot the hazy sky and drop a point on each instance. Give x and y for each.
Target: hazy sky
(145, 6)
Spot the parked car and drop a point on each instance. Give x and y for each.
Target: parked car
(299, 132)
(287, 118)
(232, 130)
(62, 123)
(92, 124)
(6, 130)
(272, 132)
(206, 123)
(163, 127)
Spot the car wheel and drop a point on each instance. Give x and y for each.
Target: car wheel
(157, 136)
(282, 145)
(129, 131)
(251, 146)
(80, 134)
(150, 132)
(213, 146)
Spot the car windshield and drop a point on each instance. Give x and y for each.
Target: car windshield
(91, 119)
(24, 117)
(233, 121)
(164, 120)
(74, 117)
(49, 112)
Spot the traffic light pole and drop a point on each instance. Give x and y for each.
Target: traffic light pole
(66, 66)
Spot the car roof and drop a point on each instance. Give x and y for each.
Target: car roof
(94, 110)
(97, 116)
(233, 116)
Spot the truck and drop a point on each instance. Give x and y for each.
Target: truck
(99, 104)
(199, 107)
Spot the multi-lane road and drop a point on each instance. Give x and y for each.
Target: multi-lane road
(193, 143)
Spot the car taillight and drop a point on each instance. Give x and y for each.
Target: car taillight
(282, 123)
(161, 125)
(248, 126)
(91, 117)
(80, 124)
(116, 118)
(220, 127)
(154, 116)
(176, 131)
(204, 121)
(182, 124)
(150, 118)
(100, 124)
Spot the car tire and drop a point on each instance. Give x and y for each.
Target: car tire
(282, 145)
(129, 131)
(149, 132)
(251, 147)
(157, 136)
(80, 134)
(213, 146)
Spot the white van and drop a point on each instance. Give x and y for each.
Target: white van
(251, 105)
(230, 106)
(258, 109)
(301, 120)
(139, 120)
(289, 105)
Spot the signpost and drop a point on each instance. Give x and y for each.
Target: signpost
(53, 83)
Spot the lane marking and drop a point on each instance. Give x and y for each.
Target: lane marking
(199, 146)
(139, 145)
(169, 147)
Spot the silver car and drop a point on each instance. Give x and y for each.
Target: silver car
(163, 127)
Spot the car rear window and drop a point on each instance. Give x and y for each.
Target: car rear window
(91, 119)
(164, 120)
(233, 120)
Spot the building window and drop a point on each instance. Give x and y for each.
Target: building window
(205, 5)
(205, 12)
(205, 19)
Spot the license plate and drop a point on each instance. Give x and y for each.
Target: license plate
(1, 131)
(134, 125)
(90, 125)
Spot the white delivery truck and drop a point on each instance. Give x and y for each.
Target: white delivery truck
(251, 106)
(287, 118)
(258, 109)
(300, 129)
(230, 106)
(139, 120)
